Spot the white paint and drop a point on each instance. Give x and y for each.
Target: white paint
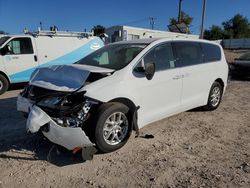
(67, 137)
(162, 96)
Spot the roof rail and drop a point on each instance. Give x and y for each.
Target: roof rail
(59, 34)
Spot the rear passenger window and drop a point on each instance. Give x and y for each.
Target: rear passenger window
(188, 53)
(162, 56)
(211, 52)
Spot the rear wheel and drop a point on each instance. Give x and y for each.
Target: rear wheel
(4, 84)
(214, 97)
(113, 127)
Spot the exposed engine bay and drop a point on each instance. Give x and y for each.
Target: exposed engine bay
(59, 95)
(57, 105)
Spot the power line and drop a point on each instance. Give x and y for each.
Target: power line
(135, 21)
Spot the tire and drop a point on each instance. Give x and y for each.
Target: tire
(4, 84)
(214, 97)
(113, 135)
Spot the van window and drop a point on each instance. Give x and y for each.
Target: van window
(113, 56)
(20, 46)
(3, 40)
(162, 56)
(188, 53)
(212, 52)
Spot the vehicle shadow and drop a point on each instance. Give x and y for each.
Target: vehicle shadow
(17, 86)
(15, 143)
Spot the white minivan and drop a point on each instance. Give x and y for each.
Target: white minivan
(121, 87)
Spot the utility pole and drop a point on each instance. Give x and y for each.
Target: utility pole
(152, 22)
(41, 25)
(180, 9)
(203, 18)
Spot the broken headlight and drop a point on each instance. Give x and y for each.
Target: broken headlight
(78, 118)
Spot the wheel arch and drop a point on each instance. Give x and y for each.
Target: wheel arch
(220, 81)
(5, 75)
(132, 109)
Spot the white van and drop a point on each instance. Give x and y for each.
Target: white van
(123, 87)
(20, 55)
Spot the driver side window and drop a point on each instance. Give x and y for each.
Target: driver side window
(162, 56)
(20, 46)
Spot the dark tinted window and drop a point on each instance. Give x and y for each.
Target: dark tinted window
(162, 56)
(21, 46)
(211, 52)
(188, 53)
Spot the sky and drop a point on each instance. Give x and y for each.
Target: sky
(77, 15)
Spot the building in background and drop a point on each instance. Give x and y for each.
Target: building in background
(123, 33)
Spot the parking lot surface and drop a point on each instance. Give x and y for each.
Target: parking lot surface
(192, 149)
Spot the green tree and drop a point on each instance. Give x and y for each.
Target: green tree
(185, 18)
(214, 33)
(237, 27)
(98, 29)
(3, 32)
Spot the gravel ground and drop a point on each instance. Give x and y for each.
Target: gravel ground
(192, 149)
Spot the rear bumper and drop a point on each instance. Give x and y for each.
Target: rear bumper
(67, 137)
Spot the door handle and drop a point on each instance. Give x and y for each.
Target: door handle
(35, 57)
(177, 77)
(15, 57)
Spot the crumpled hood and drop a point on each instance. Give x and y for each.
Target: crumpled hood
(65, 78)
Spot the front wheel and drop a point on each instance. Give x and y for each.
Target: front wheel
(214, 97)
(113, 127)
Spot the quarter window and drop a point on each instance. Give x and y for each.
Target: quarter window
(20, 46)
(188, 53)
(162, 56)
(212, 52)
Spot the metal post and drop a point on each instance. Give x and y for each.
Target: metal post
(203, 18)
(179, 14)
(152, 22)
(41, 25)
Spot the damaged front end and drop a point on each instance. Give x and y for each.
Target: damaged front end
(60, 110)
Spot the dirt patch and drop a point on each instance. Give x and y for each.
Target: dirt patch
(192, 149)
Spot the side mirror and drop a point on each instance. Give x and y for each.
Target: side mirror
(149, 70)
(5, 50)
(139, 69)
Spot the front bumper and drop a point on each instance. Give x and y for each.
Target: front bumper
(67, 137)
(23, 104)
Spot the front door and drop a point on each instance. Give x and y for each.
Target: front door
(159, 97)
(20, 61)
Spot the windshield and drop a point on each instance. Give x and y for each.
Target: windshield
(114, 56)
(3, 40)
(245, 56)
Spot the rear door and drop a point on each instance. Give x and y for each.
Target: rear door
(21, 60)
(195, 74)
